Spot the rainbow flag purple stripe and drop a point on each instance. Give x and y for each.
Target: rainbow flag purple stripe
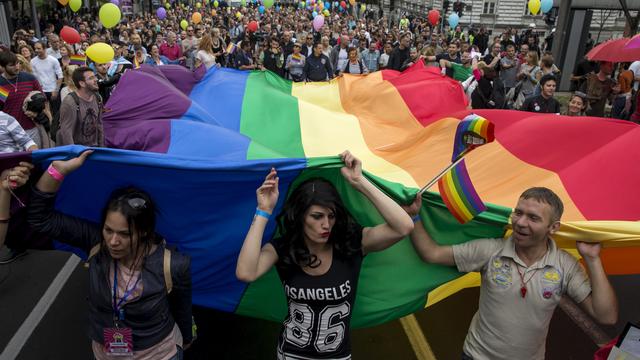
(79, 60)
(459, 195)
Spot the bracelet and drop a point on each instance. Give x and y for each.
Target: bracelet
(4, 221)
(51, 170)
(416, 218)
(262, 213)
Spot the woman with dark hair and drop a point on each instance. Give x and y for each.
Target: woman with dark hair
(318, 255)
(139, 291)
(577, 104)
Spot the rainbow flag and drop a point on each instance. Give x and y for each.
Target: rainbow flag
(4, 94)
(459, 195)
(231, 48)
(473, 131)
(201, 159)
(78, 59)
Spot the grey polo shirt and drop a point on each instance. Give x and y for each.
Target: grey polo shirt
(508, 326)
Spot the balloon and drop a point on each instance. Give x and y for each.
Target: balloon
(434, 17)
(363, 7)
(352, 2)
(213, 12)
(109, 15)
(75, 5)
(252, 26)
(184, 24)
(261, 9)
(327, 5)
(453, 20)
(115, 2)
(198, 5)
(314, 14)
(161, 13)
(167, 6)
(326, 12)
(318, 22)
(546, 5)
(63, 2)
(238, 15)
(100, 53)
(320, 5)
(335, 4)
(534, 6)
(268, 3)
(216, 3)
(196, 18)
(243, 2)
(69, 35)
(343, 4)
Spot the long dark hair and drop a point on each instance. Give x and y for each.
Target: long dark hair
(140, 212)
(345, 232)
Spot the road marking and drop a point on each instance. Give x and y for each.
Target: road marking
(416, 337)
(31, 322)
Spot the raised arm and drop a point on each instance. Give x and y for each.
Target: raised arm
(254, 261)
(428, 250)
(397, 223)
(602, 304)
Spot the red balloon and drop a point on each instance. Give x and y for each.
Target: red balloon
(69, 35)
(343, 4)
(434, 17)
(253, 26)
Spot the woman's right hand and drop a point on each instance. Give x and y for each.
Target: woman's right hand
(267, 194)
(66, 167)
(15, 177)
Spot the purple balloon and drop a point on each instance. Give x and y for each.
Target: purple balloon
(318, 22)
(161, 13)
(115, 2)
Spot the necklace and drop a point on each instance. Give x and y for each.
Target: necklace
(523, 283)
(16, 85)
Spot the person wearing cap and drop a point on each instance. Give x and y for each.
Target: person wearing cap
(295, 63)
(543, 103)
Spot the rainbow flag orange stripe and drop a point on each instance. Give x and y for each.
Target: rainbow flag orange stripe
(77, 59)
(4, 94)
(459, 195)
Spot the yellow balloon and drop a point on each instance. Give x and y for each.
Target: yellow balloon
(184, 24)
(353, 2)
(326, 12)
(216, 4)
(196, 18)
(238, 15)
(363, 7)
(534, 6)
(109, 15)
(100, 53)
(167, 6)
(75, 5)
(198, 5)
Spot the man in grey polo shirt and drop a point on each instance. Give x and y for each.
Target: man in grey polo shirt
(523, 279)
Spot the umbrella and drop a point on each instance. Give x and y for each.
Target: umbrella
(614, 51)
(634, 43)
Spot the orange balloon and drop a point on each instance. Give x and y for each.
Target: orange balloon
(196, 18)
(213, 12)
(63, 2)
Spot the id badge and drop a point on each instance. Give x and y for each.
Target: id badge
(118, 341)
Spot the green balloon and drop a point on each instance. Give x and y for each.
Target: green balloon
(184, 24)
(243, 2)
(109, 15)
(75, 5)
(268, 3)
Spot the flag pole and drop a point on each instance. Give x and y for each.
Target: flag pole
(444, 171)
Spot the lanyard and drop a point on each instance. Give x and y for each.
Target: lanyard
(118, 311)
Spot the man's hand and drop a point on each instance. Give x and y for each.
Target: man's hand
(588, 251)
(413, 209)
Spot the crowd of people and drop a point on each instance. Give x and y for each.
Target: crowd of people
(49, 98)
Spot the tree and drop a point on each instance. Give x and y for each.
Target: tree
(632, 23)
(604, 16)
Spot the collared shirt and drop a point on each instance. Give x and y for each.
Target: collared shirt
(12, 136)
(370, 59)
(508, 326)
(172, 52)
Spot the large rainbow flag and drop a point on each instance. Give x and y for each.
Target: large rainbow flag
(201, 143)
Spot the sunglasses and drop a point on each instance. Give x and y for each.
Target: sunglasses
(137, 203)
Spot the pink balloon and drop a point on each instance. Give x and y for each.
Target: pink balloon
(318, 22)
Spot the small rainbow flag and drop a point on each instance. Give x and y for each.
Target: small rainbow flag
(473, 131)
(231, 48)
(4, 94)
(459, 195)
(78, 59)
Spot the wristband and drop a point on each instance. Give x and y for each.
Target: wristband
(51, 170)
(262, 213)
(416, 218)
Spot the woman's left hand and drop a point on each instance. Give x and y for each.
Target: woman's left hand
(352, 171)
(15, 177)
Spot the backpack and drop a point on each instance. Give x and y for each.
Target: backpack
(346, 70)
(55, 123)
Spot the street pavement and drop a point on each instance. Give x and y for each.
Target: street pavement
(54, 327)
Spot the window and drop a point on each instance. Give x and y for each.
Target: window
(489, 7)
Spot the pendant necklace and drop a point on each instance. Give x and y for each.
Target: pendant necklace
(16, 85)
(523, 288)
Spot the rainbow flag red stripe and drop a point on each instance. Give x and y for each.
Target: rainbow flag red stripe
(459, 195)
(472, 124)
(79, 60)
(4, 94)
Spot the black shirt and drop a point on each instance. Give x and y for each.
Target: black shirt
(541, 105)
(397, 58)
(317, 68)
(319, 307)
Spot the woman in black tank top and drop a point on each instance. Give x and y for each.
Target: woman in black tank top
(318, 256)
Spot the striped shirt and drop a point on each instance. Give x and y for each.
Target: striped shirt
(18, 89)
(12, 135)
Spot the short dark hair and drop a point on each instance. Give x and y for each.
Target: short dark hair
(78, 75)
(544, 79)
(545, 196)
(7, 58)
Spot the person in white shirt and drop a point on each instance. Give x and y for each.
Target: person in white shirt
(635, 68)
(384, 58)
(48, 72)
